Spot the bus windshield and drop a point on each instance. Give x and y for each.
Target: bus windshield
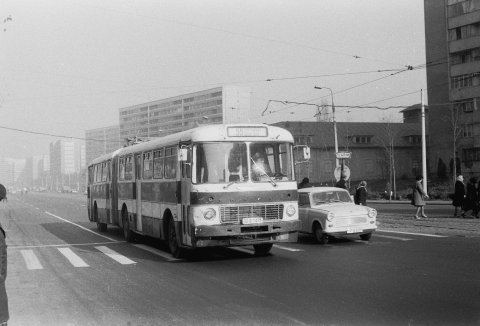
(224, 162)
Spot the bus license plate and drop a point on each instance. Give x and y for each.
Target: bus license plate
(252, 220)
(354, 230)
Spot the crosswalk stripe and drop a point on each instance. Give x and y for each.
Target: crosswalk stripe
(392, 237)
(31, 259)
(157, 252)
(74, 259)
(115, 256)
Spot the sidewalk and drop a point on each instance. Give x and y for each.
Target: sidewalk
(447, 226)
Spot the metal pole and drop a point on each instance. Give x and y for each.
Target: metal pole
(424, 146)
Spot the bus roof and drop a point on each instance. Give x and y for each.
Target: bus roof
(217, 132)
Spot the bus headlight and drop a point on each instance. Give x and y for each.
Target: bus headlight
(290, 210)
(209, 213)
(330, 216)
(372, 213)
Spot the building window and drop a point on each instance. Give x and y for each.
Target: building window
(471, 154)
(465, 56)
(468, 130)
(467, 80)
(466, 106)
(414, 139)
(303, 140)
(464, 32)
(362, 139)
(460, 7)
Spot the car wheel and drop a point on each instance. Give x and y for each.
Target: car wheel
(366, 236)
(173, 246)
(320, 236)
(262, 249)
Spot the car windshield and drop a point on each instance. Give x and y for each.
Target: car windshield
(330, 197)
(232, 162)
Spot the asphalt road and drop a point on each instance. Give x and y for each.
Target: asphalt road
(62, 272)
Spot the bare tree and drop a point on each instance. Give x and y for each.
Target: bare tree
(389, 149)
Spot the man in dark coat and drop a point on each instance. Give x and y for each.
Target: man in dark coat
(4, 316)
(360, 197)
(459, 197)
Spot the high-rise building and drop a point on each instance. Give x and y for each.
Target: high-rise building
(67, 164)
(100, 141)
(452, 35)
(227, 104)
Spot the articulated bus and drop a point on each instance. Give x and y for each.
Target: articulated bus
(215, 185)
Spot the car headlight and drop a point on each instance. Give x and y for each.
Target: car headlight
(330, 216)
(291, 210)
(372, 213)
(209, 213)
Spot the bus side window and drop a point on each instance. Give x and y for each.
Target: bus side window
(128, 168)
(158, 164)
(147, 165)
(121, 169)
(171, 163)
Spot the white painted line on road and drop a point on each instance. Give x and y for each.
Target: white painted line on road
(157, 252)
(81, 227)
(287, 248)
(65, 245)
(413, 233)
(73, 258)
(392, 237)
(31, 260)
(115, 255)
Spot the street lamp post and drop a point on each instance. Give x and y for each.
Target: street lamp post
(334, 122)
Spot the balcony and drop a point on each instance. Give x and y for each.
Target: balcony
(464, 68)
(464, 44)
(459, 94)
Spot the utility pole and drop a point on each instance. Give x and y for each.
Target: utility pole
(424, 145)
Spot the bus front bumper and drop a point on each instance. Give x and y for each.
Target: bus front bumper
(245, 234)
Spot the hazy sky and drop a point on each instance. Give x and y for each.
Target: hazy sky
(69, 65)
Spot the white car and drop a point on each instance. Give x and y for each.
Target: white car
(330, 211)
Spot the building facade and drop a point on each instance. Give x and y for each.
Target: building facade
(379, 150)
(452, 35)
(67, 165)
(100, 141)
(227, 104)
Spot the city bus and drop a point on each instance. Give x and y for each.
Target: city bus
(214, 185)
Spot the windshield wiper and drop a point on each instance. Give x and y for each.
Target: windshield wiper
(229, 184)
(264, 173)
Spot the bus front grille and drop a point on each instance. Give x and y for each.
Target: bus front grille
(235, 214)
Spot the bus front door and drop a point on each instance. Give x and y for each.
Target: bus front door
(138, 191)
(185, 188)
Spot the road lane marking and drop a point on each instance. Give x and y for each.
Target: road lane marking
(392, 237)
(287, 248)
(81, 227)
(65, 245)
(115, 255)
(413, 233)
(73, 258)
(242, 249)
(157, 252)
(31, 260)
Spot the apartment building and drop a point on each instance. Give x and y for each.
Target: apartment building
(452, 35)
(226, 104)
(100, 141)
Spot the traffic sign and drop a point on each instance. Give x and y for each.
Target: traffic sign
(342, 155)
(338, 172)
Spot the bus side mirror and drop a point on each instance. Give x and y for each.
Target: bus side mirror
(183, 155)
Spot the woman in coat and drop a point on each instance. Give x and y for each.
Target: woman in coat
(459, 197)
(418, 198)
(360, 197)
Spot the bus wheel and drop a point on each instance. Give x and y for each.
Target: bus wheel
(366, 236)
(262, 249)
(320, 236)
(127, 233)
(172, 240)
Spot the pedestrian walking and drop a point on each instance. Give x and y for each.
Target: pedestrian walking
(472, 199)
(304, 184)
(360, 197)
(459, 197)
(4, 316)
(341, 183)
(418, 198)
